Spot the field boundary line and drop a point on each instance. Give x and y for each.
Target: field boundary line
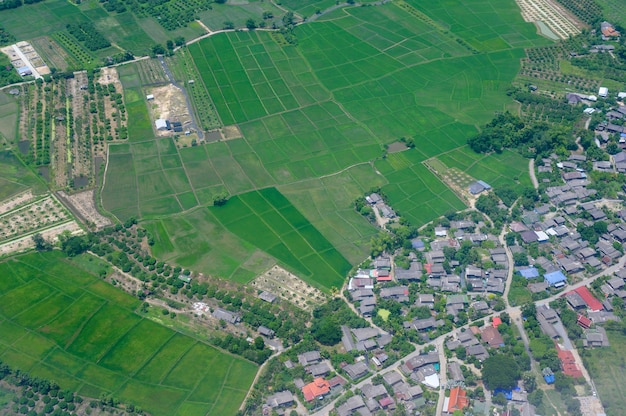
(115, 343)
(147, 360)
(35, 304)
(104, 181)
(223, 384)
(182, 355)
(83, 324)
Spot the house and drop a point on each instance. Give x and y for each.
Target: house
(231, 318)
(479, 186)
(608, 31)
(150, 97)
(616, 283)
(280, 399)
(458, 400)
(317, 388)
(528, 272)
(575, 301)
(370, 391)
(583, 321)
(596, 338)
(392, 378)
(491, 336)
(426, 299)
(555, 279)
(603, 92)
(356, 370)
(373, 198)
(478, 351)
(265, 331)
(397, 293)
(414, 272)
(318, 370)
(455, 372)
(309, 357)
(353, 404)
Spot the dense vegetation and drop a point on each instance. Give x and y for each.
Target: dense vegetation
(87, 34)
(508, 131)
(12, 4)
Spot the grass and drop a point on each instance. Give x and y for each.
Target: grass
(15, 177)
(259, 218)
(609, 379)
(91, 340)
(315, 119)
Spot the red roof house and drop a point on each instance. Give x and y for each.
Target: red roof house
(458, 400)
(568, 363)
(583, 321)
(316, 388)
(593, 303)
(496, 321)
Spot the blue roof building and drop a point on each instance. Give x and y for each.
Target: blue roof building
(529, 272)
(417, 244)
(556, 279)
(549, 379)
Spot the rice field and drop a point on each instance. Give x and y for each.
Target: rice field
(62, 323)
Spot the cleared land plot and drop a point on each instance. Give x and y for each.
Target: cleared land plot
(553, 15)
(259, 218)
(609, 379)
(59, 322)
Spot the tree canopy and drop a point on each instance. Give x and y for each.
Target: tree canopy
(500, 372)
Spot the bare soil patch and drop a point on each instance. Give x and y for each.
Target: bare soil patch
(15, 201)
(29, 218)
(50, 234)
(84, 204)
(231, 132)
(169, 103)
(560, 21)
(289, 287)
(396, 147)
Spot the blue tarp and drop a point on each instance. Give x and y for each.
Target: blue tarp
(555, 277)
(529, 273)
(507, 393)
(549, 379)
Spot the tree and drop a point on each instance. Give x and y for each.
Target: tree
(500, 371)
(530, 382)
(250, 24)
(326, 331)
(158, 49)
(259, 344)
(520, 259)
(73, 245)
(220, 199)
(41, 244)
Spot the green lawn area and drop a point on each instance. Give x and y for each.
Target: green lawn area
(62, 323)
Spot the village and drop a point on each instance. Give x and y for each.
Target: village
(450, 287)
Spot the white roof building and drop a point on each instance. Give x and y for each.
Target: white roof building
(150, 97)
(592, 98)
(603, 92)
(160, 124)
(621, 95)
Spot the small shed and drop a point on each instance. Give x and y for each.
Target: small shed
(150, 97)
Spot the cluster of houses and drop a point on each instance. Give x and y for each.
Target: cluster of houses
(377, 202)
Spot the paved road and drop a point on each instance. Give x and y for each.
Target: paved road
(193, 125)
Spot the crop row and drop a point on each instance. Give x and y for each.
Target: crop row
(87, 34)
(588, 11)
(74, 49)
